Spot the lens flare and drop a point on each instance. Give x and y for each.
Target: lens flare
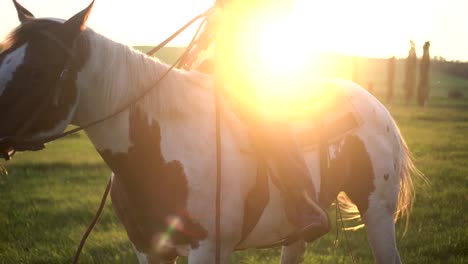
(162, 242)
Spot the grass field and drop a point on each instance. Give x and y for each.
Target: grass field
(48, 198)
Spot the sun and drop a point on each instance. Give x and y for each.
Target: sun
(284, 47)
(272, 50)
(276, 51)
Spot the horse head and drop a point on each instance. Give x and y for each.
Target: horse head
(38, 69)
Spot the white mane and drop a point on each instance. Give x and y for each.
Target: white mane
(120, 74)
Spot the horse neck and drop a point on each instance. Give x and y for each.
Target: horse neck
(113, 75)
(116, 74)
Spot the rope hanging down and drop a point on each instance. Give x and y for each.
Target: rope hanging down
(93, 223)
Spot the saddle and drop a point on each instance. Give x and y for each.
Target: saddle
(318, 122)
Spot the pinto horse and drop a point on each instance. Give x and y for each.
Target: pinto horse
(162, 149)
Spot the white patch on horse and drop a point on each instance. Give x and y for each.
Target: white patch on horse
(110, 134)
(385, 195)
(9, 65)
(116, 90)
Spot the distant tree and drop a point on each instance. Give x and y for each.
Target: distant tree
(455, 68)
(423, 87)
(390, 79)
(410, 73)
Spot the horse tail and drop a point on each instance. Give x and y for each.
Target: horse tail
(407, 192)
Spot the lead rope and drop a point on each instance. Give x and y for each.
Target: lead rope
(93, 223)
(218, 161)
(348, 248)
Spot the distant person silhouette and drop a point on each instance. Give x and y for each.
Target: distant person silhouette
(410, 73)
(390, 79)
(423, 88)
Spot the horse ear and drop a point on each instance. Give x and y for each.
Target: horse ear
(76, 24)
(23, 14)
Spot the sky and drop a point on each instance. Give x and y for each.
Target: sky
(373, 28)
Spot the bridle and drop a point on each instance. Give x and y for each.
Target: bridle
(21, 142)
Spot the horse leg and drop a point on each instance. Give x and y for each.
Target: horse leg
(380, 228)
(382, 204)
(292, 254)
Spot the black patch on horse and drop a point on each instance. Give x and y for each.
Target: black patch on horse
(360, 185)
(350, 171)
(148, 191)
(334, 172)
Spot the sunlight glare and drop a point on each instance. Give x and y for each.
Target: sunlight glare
(284, 49)
(272, 51)
(277, 51)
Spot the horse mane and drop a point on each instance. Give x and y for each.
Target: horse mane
(123, 73)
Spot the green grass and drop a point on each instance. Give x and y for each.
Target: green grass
(48, 199)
